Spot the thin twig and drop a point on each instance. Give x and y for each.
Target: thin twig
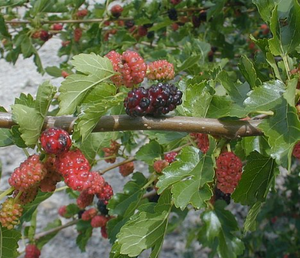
(117, 165)
(54, 230)
(179, 148)
(14, 22)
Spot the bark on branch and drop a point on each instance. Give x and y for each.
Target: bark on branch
(228, 129)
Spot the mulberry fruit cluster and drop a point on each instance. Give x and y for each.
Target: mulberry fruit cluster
(111, 152)
(106, 193)
(116, 10)
(157, 100)
(55, 141)
(77, 34)
(201, 140)
(228, 172)
(159, 165)
(126, 169)
(160, 70)
(97, 220)
(31, 251)
(26, 196)
(296, 151)
(10, 213)
(48, 183)
(173, 15)
(29, 174)
(62, 211)
(130, 66)
(84, 199)
(169, 157)
(74, 167)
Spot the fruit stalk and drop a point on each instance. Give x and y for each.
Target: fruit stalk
(54, 230)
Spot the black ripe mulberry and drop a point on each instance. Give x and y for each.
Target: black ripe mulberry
(157, 100)
(172, 13)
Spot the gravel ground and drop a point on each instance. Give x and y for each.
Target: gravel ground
(23, 77)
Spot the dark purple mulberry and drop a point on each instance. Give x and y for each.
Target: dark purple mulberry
(157, 100)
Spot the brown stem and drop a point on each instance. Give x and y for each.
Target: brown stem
(117, 165)
(228, 129)
(54, 230)
(66, 21)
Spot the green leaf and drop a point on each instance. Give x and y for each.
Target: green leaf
(26, 100)
(237, 92)
(9, 242)
(16, 135)
(188, 63)
(265, 8)
(85, 229)
(92, 64)
(186, 161)
(100, 92)
(30, 122)
(284, 26)
(32, 227)
(290, 92)
(194, 188)
(255, 143)
(45, 239)
(44, 97)
(191, 192)
(248, 71)
(218, 231)
(11, 3)
(53, 71)
(266, 97)
(250, 223)
(74, 89)
(6, 138)
(197, 100)
(220, 106)
(216, 9)
(149, 152)
(39, 6)
(188, 178)
(30, 208)
(30, 114)
(115, 252)
(26, 46)
(271, 61)
(161, 25)
(283, 131)
(3, 27)
(77, 86)
(87, 121)
(146, 230)
(95, 142)
(200, 47)
(256, 178)
(38, 62)
(71, 210)
(121, 203)
(125, 204)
